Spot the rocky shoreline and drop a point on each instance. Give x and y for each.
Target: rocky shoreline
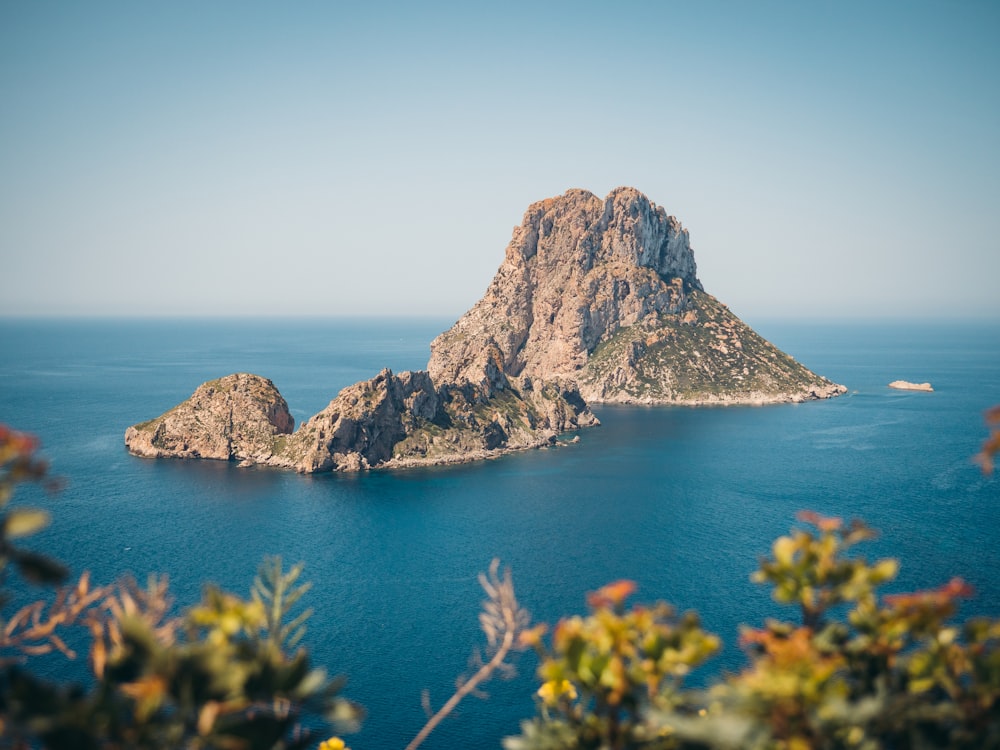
(596, 301)
(770, 399)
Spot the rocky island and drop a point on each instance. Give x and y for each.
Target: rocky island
(906, 385)
(606, 293)
(595, 301)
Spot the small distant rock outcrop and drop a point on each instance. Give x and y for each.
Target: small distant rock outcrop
(596, 300)
(905, 385)
(606, 293)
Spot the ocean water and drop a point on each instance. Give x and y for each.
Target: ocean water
(683, 501)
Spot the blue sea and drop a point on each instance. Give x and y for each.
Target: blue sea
(683, 501)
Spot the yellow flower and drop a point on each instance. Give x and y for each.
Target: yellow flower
(334, 743)
(553, 690)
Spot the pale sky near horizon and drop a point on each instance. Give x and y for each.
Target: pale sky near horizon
(830, 160)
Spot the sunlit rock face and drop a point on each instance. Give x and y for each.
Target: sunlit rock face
(237, 417)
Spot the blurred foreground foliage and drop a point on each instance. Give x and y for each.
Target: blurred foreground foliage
(851, 669)
(226, 674)
(854, 670)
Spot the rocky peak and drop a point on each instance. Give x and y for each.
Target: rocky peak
(576, 270)
(626, 226)
(361, 425)
(236, 417)
(606, 293)
(635, 230)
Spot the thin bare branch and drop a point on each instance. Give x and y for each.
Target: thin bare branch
(502, 620)
(32, 629)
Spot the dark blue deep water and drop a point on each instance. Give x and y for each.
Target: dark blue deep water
(683, 501)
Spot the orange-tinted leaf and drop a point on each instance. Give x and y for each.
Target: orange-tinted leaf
(612, 594)
(823, 523)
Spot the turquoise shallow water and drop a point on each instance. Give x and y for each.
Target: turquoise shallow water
(681, 500)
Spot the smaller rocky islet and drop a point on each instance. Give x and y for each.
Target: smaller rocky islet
(906, 385)
(595, 302)
(390, 421)
(237, 417)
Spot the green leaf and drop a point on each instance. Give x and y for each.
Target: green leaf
(24, 522)
(784, 549)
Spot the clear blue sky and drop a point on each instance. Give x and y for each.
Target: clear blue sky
(830, 159)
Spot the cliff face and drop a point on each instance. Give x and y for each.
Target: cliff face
(576, 270)
(403, 420)
(606, 293)
(594, 301)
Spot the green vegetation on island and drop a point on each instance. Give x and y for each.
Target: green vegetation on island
(704, 356)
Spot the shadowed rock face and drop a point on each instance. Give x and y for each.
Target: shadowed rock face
(360, 427)
(606, 294)
(594, 301)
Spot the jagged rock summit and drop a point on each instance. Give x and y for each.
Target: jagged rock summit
(595, 301)
(606, 293)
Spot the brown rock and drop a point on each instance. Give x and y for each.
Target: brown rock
(576, 270)
(359, 428)
(237, 417)
(390, 420)
(606, 294)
